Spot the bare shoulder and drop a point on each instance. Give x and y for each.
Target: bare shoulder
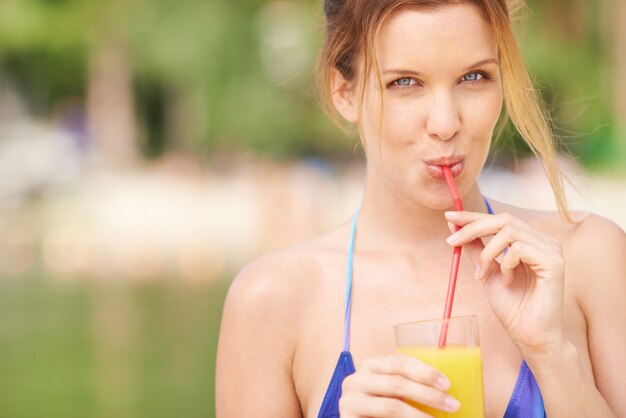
(592, 244)
(259, 330)
(594, 248)
(279, 283)
(591, 236)
(595, 239)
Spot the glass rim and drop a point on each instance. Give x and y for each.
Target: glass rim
(437, 320)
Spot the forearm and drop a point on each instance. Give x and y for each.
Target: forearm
(565, 389)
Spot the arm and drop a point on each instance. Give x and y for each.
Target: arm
(595, 259)
(525, 289)
(253, 376)
(597, 255)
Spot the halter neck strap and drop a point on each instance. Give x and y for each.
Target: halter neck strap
(346, 336)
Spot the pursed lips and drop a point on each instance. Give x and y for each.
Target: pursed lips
(435, 166)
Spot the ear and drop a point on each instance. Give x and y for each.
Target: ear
(343, 95)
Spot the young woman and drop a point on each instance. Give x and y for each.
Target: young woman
(426, 82)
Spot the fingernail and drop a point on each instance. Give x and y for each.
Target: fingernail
(443, 383)
(452, 404)
(451, 214)
(453, 238)
(477, 272)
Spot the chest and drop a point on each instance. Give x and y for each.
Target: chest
(373, 315)
(377, 307)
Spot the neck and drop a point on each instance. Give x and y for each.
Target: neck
(389, 222)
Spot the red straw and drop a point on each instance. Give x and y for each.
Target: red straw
(456, 259)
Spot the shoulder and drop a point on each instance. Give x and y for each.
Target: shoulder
(589, 237)
(595, 256)
(594, 252)
(262, 318)
(269, 285)
(278, 285)
(594, 247)
(590, 245)
(260, 326)
(595, 239)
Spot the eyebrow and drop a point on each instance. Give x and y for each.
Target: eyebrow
(411, 72)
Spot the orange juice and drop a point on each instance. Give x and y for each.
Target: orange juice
(462, 365)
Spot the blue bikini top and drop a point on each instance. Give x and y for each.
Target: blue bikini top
(525, 402)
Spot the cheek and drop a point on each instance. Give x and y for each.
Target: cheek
(401, 123)
(482, 124)
(387, 123)
(369, 121)
(481, 114)
(492, 108)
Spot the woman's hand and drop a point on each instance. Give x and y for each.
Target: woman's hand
(522, 271)
(380, 384)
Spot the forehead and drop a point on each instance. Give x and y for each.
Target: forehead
(435, 40)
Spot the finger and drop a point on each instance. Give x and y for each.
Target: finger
(426, 382)
(508, 236)
(396, 386)
(469, 237)
(378, 407)
(506, 230)
(472, 251)
(509, 263)
(543, 263)
(462, 218)
(485, 226)
(472, 248)
(482, 225)
(409, 367)
(480, 273)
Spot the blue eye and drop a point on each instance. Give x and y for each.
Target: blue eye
(404, 81)
(474, 76)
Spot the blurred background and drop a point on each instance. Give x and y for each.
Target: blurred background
(149, 148)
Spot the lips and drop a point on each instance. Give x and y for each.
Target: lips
(434, 167)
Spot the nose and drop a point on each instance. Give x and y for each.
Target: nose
(444, 120)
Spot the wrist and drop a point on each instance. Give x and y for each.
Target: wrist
(558, 355)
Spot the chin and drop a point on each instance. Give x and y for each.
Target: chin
(437, 195)
(439, 200)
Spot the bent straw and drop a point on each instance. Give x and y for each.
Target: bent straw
(456, 259)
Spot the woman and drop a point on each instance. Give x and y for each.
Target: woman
(426, 82)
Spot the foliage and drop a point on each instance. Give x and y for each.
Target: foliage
(211, 75)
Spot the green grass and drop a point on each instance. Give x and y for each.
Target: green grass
(85, 349)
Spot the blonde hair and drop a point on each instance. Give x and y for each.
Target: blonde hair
(353, 27)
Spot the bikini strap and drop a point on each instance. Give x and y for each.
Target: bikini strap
(346, 335)
(488, 206)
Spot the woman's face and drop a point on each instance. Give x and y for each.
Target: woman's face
(442, 98)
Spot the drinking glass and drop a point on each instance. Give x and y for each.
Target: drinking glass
(459, 359)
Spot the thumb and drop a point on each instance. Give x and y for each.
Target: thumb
(482, 271)
(472, 249)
